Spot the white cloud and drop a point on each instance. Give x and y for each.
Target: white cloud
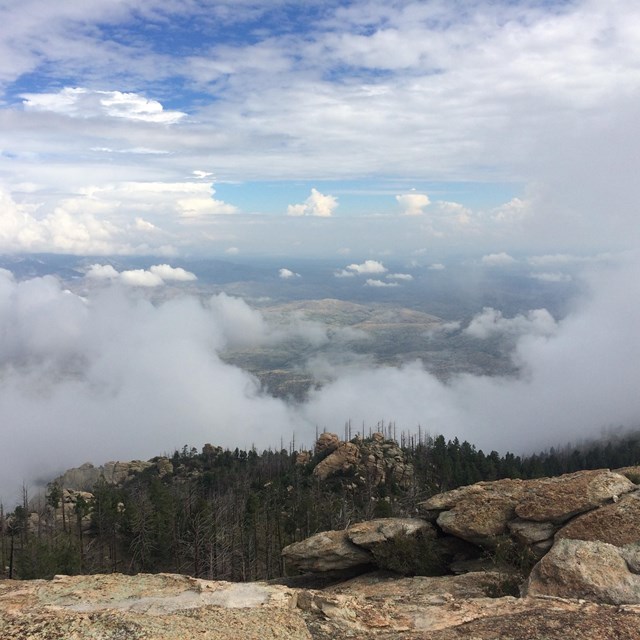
(94, 367)
(61, 231)
(400, 276)
(454, 213)
(576, 380)
(87, 103)
(187, 200)
(140, 278)
(202, 175)
(232, 251)
(169, 273)
(143, 225)
(285, 274)
(537, 322)
(413, 204)
(379, 283)
(101, 272)
(155, 276)
(498, 259)
(366, 267)
(513, 211)
(436, 266)
(316, 204)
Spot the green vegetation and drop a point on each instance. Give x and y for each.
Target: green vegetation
(227, 514)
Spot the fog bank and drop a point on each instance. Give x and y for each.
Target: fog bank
(113, 376)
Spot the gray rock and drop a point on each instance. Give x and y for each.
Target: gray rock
(594, 571)
(374, 532)
(527, 532)
(326, 551)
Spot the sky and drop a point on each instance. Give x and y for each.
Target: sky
(318, 128)
(366, 133)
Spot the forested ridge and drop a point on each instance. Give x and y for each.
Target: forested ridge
(223, 514)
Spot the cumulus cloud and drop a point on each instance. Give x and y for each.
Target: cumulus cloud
(317, 204)
(537, 322)
(140, 278)
(413, 204)
(101, 272)
(79, 102)
(155, 276)
(513, 211)
(285, 274)
(379, 283)
(175, 274)
(498, 259)
(400, 276)
(366, 267)
(63, 230)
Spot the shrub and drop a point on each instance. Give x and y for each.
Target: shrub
(410, 555)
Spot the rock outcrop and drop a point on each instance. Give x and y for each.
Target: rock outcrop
(353, 546)
(584, 528)
(530, 510)
(373, 460)
(84, 477)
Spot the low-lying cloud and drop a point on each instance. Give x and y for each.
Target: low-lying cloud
(155, 276)
(114, 376)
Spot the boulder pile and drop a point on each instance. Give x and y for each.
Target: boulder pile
(581, 530)
(375, 460)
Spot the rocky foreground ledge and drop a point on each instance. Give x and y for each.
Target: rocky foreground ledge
(172, 607)
(581, 532)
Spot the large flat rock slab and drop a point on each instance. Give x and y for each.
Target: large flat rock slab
(371, 607)
(162, 607)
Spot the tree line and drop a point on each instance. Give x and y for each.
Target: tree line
(226, 515)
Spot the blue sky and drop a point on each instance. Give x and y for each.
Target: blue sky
(194, 127)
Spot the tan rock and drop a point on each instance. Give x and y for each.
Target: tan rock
(371, 607)
(558, 499)
(327, 442)
(480, 520)
(344, 458)
(480, 512)
(632, 473)
(162, 607)
(164, 466)
(374, 532)
(326, 551)
(118, 472)
(593, 571)
(484, 491)
(617, 523)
